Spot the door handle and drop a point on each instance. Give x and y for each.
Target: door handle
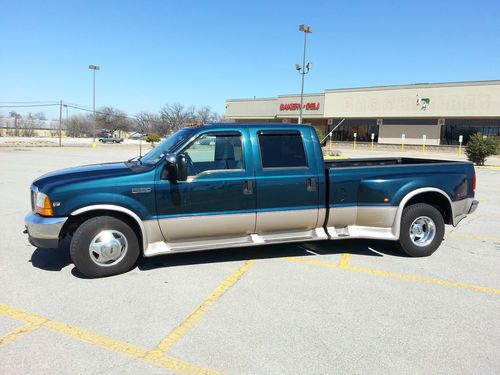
(248, 187)
(311, 184)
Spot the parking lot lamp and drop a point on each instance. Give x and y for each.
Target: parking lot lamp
(94, 68)
(304, 69)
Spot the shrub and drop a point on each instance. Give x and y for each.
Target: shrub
(479, 148)
(153, 138)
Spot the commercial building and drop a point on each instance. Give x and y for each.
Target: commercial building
(438, 112)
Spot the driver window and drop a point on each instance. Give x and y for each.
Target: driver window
(215, 152)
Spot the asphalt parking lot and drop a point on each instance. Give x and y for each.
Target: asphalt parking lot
(325, 307)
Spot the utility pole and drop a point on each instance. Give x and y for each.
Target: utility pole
(60, 122)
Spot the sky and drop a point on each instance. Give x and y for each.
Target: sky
(204, 52)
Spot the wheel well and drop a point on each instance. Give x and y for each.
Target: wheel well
(437, 200)
(74, 222)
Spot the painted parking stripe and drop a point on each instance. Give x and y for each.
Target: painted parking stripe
(105, 342)
(475, 237)
(396, 275)
(202, 309)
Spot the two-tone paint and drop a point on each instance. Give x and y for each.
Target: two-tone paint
(254, 205)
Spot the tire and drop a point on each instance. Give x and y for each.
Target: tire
(422, 230)
(104, 246)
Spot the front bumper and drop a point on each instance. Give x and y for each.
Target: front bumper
(44, 231)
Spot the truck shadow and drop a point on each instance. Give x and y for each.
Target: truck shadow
(57, 259)
(374, 248)
(52, 259)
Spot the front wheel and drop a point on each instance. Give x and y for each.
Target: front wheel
(104, 246)
(422, 230)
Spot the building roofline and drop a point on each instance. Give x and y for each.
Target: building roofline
(417, 85)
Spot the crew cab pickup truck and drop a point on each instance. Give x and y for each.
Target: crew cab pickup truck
(232, 185)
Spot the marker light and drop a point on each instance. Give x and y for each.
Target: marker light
(43, 205)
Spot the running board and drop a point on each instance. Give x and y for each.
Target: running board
(158, 248)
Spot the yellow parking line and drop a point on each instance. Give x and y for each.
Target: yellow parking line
(473, 236)
(18, 333)
(196, 315)
(108, 343)
(397, 275)
(344, 260)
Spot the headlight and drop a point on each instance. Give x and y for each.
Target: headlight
(42, 203)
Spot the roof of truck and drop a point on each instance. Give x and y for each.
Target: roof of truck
(254, 124)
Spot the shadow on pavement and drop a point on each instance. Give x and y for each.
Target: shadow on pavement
(375, 248)
(57, 259)
(52, 259)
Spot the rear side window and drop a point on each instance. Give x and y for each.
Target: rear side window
(282, 150)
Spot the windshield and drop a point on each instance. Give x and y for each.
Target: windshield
(168, 145)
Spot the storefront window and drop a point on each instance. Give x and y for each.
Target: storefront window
(454, 128)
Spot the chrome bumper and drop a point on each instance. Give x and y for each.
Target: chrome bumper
(473, 206)
(44, 231)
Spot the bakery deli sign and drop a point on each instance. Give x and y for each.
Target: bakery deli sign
(311, 106)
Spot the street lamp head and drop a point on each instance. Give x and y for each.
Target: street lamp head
(305, 28)
(94, 67)
(309, 65)
(298, 67)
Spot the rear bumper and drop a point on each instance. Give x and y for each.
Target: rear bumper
(44, 231)
(473, 206)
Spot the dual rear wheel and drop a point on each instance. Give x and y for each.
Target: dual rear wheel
(422, 230)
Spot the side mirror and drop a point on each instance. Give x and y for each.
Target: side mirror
(175, 169)
(182, 170)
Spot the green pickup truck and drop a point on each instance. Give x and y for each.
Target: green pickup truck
(234, 185)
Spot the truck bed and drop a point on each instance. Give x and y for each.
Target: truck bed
(372, 162)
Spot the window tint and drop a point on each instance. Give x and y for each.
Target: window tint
(215, 152)
(282, 150)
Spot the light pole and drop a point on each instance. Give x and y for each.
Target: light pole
(304, 69)
(94, 68)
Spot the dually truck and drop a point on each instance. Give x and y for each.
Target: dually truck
(233, 185)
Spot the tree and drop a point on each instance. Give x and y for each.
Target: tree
(480, 147)
(153, 139)
(16, 116)
(111, 119)
(39, 116)
(175, 116)
(79, 126)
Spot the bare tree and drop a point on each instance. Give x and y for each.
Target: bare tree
(79, 126)
(175, 116)
(27, 126)
(111, 119)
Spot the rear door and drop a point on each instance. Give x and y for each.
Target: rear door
(287, 181)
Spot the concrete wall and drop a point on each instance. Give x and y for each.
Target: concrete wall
(447, 100)
(413, 134)
(251, 108)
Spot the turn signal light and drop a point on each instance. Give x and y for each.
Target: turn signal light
(46, 210)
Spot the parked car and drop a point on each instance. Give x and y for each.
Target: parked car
(255, 184)
(110, 139)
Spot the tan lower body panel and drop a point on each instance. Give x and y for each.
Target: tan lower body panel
(195, 233)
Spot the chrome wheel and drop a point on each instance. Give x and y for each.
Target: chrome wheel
(422, 231)
(108, 248)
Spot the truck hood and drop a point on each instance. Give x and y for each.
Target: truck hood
(86, 172)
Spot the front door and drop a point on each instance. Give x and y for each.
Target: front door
(217, 201)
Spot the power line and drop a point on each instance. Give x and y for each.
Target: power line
(28, 105)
